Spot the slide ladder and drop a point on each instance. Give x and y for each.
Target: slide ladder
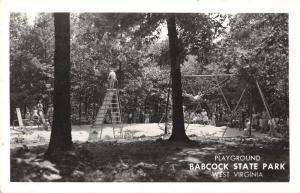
(110, 108)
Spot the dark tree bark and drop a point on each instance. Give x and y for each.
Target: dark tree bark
(86, 107)
(80, 97)
(178, 130)
(167, 107)
(61, 139)
(80, 110)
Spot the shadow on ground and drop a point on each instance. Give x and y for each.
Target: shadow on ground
(145, 160)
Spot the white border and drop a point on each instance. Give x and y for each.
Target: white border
(225, 6)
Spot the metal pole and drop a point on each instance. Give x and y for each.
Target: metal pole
(264, 101)
(228, 106)
(239, 99)
(207, 75)
(272, 131)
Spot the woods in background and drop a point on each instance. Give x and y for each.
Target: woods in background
(136, 45)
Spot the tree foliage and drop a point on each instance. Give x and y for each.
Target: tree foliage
(133, 44)
(31, 66)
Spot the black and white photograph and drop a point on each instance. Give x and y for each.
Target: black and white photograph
(149, 97)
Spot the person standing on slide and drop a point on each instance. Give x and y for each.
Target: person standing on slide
(112, 79)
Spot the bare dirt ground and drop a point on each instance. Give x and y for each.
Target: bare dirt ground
(39, 136)
(144, 156)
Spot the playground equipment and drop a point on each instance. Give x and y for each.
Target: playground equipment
(233, 112)
(110, 108)
(25, 125)
(196, 100)
(211, 87)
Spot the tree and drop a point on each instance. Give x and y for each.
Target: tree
(178, 132)
(260, 42)
(61, 139)
(147, 28)
(127, 41)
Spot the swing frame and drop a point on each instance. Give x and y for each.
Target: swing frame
(267, 108)
(218, 86)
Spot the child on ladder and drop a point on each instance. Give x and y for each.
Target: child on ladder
(112, 79)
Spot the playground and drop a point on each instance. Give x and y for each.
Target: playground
(142, 158)
(132, 132)
(141, 97)
(109, 123)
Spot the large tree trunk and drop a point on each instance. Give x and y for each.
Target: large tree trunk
(61, 139)
(167, 107)
(86, 107)
(80, 110)
(178, 131)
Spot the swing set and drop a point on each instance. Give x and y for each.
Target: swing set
(197, 100)
(272, 131)
(212, 87)
(233, 112)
